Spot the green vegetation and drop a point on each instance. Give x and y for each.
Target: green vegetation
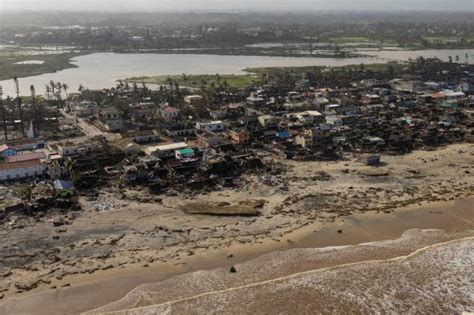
(441, 39)
(352, 40)
(24, 192)
(254, 75)
(302, 70)
(197, 81)
(51, 63)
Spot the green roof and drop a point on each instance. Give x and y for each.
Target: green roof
(186, 151)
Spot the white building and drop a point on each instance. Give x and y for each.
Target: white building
(267, 120)
(304, 140)
(165, 149)
(315, 116)
(193, 99)
(453, 95)
(20, 170)
(334, 120)
(213, 126)
(73, 148)
(111, 119)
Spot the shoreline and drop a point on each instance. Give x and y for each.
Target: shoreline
(231, 52)
(104, 287)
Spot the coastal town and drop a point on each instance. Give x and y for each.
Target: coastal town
(185, 139)
(236, 157)
(253, 162)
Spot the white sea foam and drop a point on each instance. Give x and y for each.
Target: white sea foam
(422, 271)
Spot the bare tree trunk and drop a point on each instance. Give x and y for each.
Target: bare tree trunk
(4, 119)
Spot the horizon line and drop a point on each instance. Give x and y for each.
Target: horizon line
(305, 11)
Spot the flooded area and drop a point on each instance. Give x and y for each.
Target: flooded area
(405, 55)
(101, 70)
(30, 62)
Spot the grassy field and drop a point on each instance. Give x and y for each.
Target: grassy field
(196, 81)
(51, 63)
(253, 77)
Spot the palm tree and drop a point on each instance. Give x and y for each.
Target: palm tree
(48, 92)
(65, 88)
(3, 114)
(33, 100)
(59, 89)
(170, 82)
(53, 87)
(20, 110)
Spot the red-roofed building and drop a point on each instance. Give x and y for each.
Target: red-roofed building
(25, 157)
(169, 113)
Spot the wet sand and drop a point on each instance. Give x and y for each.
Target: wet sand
(92, 291)
(429, 273)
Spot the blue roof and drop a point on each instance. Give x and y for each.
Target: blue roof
(63, 184)
(283, 134)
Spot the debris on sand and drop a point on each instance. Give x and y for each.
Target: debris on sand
(373, 172)
(244, 208)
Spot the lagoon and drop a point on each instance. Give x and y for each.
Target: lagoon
(101, 70)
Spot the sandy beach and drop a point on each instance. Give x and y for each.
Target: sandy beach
(104, 254)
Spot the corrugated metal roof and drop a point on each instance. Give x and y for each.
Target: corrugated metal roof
(18, 165)
(25, 157)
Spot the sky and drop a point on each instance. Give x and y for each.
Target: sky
(250, 5)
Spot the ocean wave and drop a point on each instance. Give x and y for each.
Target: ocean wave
(422, 271)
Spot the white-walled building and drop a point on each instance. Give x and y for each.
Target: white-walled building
(20, 170)
(193, 99)
(213, 126)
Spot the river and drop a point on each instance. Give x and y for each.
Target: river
(101, 70)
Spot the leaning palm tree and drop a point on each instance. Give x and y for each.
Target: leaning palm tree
(59, 90)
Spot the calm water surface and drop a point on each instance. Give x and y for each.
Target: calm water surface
(101, 70)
